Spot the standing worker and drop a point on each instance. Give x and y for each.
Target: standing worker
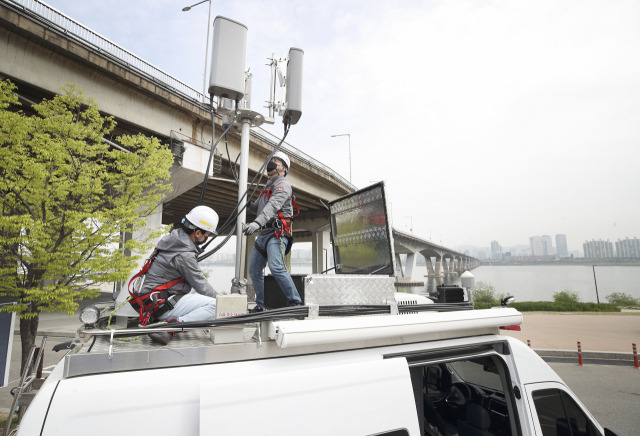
(173, 272)
(273, 211)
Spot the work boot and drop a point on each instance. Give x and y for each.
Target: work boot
(161, 337)
(256, 309)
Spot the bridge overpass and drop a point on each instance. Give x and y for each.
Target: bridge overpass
(43, 50)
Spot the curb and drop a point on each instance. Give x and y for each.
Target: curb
(604, 355)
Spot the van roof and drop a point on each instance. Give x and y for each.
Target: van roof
(103, 351)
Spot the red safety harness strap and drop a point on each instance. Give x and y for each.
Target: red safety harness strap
(152, 303)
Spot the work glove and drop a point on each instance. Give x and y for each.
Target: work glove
(251, 228)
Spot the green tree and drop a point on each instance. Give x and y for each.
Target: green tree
(622, 299)
(66, 197)
(566, 297)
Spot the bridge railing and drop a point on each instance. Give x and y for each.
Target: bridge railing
(300, 155)
(52, 18)
(73, 28)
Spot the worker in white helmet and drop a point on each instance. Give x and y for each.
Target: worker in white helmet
(174, 273)
(274, 211)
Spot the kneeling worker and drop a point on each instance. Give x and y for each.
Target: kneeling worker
(273, 218)
(175, 268)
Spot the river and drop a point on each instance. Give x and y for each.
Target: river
(526, 283)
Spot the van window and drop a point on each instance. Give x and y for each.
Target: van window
(559, 415)
(465, 396)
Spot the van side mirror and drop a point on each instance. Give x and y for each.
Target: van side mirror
(507, 300)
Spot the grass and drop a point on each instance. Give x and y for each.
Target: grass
(552, 306)
(3, 422)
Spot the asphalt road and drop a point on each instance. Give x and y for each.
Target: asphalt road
(610, 392)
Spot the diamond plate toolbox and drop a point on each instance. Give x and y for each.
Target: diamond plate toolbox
(332, 290)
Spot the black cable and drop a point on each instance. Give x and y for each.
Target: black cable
(233, 166)
(233, 216)
(260, 173)
(92, 344)
(213, 147)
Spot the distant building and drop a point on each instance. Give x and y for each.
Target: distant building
(561, 245)
(535, 242)
(496, 250)
(547, 245)
(628, 248)
(598, 249)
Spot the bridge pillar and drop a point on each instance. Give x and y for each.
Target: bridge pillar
(438, 272)
(405, 272)
(410, 266)
(430, 270)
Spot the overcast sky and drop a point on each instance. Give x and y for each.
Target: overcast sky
(488, 120)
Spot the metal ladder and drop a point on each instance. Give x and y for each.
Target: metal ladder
(24, 395)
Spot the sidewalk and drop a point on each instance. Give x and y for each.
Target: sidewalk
(608, 334)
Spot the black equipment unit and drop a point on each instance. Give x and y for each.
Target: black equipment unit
(274, 297)
(450, 294)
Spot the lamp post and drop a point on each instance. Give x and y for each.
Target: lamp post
(349, 136)
(206, 54)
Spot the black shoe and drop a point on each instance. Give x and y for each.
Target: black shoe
(161, 337)
(256, 309)
(294, 303)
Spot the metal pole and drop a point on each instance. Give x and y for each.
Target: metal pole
(594, 281)
(349, 135)
(206, 54)
(241, 241)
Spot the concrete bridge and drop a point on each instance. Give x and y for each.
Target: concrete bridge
(43, 50)
(440, 260)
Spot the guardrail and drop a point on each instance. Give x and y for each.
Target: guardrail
(98, 42)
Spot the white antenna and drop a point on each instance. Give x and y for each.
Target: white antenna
(232, 85)
(288, 72)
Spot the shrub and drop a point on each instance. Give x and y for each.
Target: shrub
(566, 297)
(552, 306)
(623, 300)
(483, 294)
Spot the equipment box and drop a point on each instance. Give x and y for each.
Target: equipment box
(450, 294)
(332, 290)
(273, 296)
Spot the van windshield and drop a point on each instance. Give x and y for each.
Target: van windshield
(480, 372)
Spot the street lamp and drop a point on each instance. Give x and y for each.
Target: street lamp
(348, 135)
(411, 226)
(206, 54)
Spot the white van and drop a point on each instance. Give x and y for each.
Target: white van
(357, 359)
(425, 373)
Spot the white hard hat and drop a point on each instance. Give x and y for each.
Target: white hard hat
(204, 218)
(284, 158)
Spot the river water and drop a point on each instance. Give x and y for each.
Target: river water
(526, 283)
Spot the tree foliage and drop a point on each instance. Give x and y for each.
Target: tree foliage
(622, 299)
(484, 295)
(66, 197)
(566, 296)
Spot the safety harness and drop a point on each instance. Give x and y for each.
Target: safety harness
(282, 226)
(156, 302)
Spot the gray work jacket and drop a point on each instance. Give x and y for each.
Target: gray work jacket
(178, 258)
(267, 208)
